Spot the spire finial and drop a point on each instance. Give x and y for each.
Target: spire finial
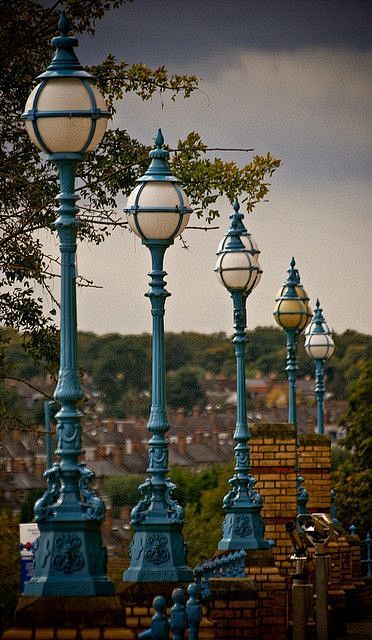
(63, 24)
(159, 140)
(317, 304)
(293, 263)
(236, 205)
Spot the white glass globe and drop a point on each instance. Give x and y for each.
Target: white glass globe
(157, 223)
(319, 345)
(66, 134)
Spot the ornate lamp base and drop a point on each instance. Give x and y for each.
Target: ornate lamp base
(158, 554)
(242, 530)
(70, 560)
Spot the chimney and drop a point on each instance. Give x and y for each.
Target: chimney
(117, 456)
(196, 411)
(181, 445)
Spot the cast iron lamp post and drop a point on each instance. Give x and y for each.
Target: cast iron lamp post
(66, 116)
(238, 270)
(293, 313)
(157, 211)
(319, 345)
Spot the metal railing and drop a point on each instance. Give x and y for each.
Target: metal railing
(184, 617)
(366, 552)
(228, 566)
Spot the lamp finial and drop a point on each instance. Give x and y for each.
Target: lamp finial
(63, 24)
(159, 140)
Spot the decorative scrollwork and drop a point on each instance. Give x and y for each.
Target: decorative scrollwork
(242, 525)
(174, 510)
(139, 511)
(43, 508)
(156, 550)
(69, 557)
(95, 507)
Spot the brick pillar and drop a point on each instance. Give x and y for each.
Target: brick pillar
(273, 459)
(234, 609)
(314, 457)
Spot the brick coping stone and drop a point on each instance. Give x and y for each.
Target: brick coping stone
(76, 611)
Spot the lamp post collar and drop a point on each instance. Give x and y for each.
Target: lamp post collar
(159, 169)
(65, 62)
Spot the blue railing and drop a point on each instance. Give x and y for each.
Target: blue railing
(183, 617)
(228, 566)
(366, 552)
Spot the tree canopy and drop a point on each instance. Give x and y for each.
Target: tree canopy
(353, 476)
(29, 185)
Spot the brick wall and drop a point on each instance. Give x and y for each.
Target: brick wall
(314, 458)
(273, 459)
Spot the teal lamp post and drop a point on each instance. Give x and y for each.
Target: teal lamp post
(319, 345)
(66, 117)
(238, 270)
(157, 211)
(293, 313)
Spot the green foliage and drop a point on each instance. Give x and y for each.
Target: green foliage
(353, 477)
(183, 388)
(202, 530)
(122, 491)
(10, 567)
(29, 185)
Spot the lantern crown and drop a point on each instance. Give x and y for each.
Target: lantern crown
(237, 265)
(292, 310)
(65, 62)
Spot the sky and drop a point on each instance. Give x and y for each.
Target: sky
(290, 77)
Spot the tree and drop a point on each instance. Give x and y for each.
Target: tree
(122, 491)
(28, 184)
(10, 567)
(183, 388)
(353, 477)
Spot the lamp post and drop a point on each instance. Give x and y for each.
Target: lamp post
(238, 270)
(319, 345)
(66, 117)
(293, 313)
(157, 211)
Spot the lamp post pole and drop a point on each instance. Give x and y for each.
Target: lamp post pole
(293, 313)
(157, 552)
(238, 270)
(69, 559)
(319, 345)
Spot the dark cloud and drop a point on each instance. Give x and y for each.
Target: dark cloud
(178, 31)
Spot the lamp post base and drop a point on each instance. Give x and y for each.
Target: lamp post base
(70, 560)
(158, 554)
(244, 530)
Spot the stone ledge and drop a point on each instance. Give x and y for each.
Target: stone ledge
(275, 430)
(76, 611)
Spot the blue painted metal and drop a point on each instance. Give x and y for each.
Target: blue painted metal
(319, 392)
(334, 518)
(231, 565)
(243, 527)
(69, 556)
(193, 612)
(352, 530)
(157, 552)
(367, 561)
(48, 416)
(160, 626)
(318, 327)
(291, 370)
(293, 290)
(183, 619)
(65, 64)
(178, 615)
